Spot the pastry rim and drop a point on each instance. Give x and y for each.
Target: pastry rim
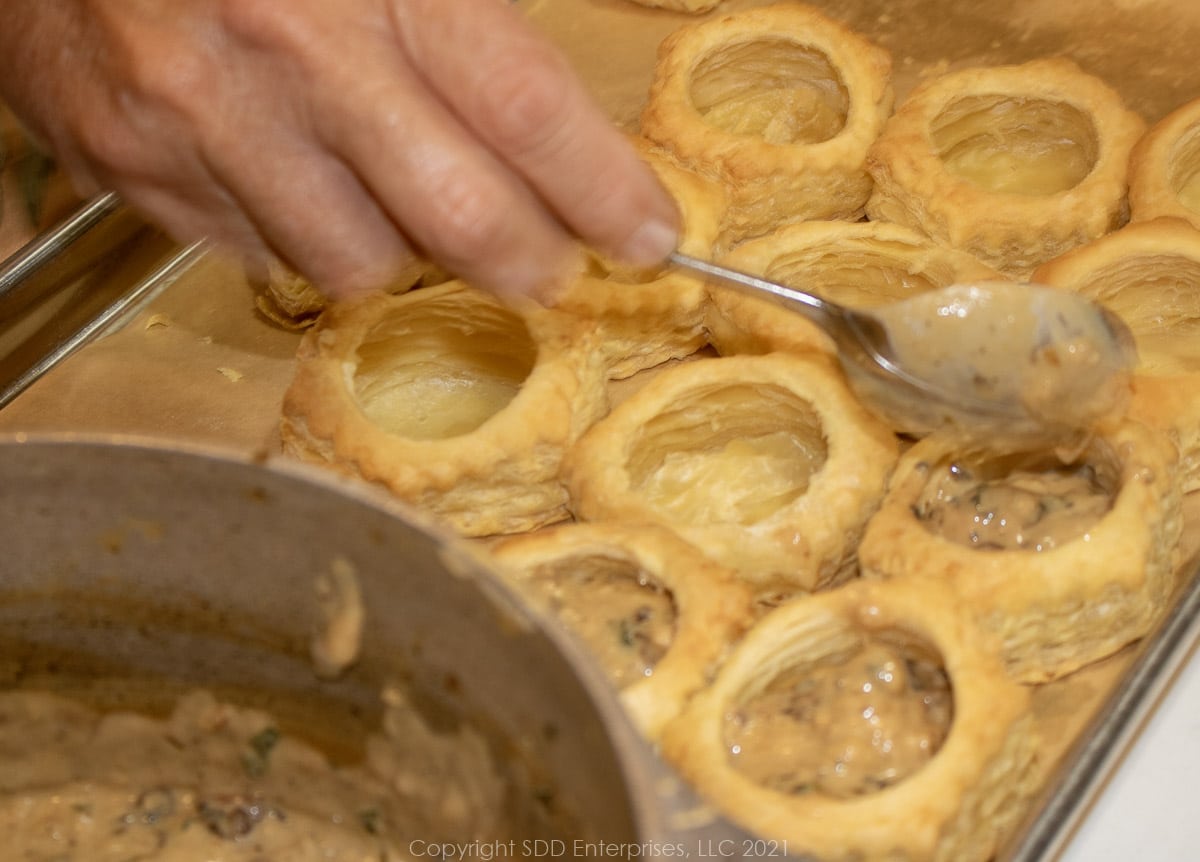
(712, 608)
(500, 477)
(1010, 231)
(840, 497)
(1151, 192)
(987, 753)
(1031, 600)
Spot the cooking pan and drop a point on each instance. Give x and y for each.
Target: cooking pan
(133, 572)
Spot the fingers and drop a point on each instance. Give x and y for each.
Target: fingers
(518, 94)
(453, 197)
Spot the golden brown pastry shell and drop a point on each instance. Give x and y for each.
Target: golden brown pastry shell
(712, 607)
(772, 183)
(1165, 159)
(645, 318)
(956, 808)
(804, 545)
(692, 6)
(858, 264)
(1009, 231)
(1149, 274)
(1056, 610)
(501, 477)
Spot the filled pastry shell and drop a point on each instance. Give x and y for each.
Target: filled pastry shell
(1013, 164)
(654, 611)
(766, 463)
(857, 264)
(454, 402)
(646, 317)
(1065, 560)
(779, 104)
(1164, 169)
(868, 722)
(1149, 274)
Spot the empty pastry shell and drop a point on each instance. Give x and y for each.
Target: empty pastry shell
(858, 264)
(1013, 164)
(1149, 274)
(456, 403)
(646, 317)
(954, 804)
(1164, 169)
(655, 611)
(766, 463)
(1065, 561)
(779, 104)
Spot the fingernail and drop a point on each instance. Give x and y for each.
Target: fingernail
(650, 244)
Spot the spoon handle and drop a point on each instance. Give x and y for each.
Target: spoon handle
(824, 314)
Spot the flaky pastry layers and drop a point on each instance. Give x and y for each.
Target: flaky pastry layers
(931, 754)
(454, 402)
(653, 610)
(289, 300)
(1149, 274)
(1064, 561)
(766, 463)
(646, 317)
(1164, 168)
(695, 6)
(779, 104)
(858, 264)
(1013, 164)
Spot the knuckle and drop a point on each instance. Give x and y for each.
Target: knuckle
(467, 219)
(525, 101)
(264, 23)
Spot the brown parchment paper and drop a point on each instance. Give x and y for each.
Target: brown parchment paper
(200, 365)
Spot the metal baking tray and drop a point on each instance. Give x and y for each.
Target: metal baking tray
(103, 243)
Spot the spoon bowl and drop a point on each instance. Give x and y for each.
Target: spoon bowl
(994, 361)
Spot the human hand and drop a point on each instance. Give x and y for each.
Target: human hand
(344, 139)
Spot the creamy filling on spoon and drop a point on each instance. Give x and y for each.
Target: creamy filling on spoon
(1046, 361)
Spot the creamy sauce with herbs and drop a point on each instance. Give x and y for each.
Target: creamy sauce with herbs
(844, 727)
(1022, 510)
(742, 481)
(625, 618)
(215, 783)
(1039, 362)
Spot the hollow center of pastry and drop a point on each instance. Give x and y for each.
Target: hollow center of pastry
(1018, 145)
(441, 368)
(862, 273)
(1019, 502)
(736, 453)
(857, 720)
(619, 610)
(1158, 297)
(774, 89)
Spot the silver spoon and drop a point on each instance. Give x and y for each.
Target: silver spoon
(995, 361)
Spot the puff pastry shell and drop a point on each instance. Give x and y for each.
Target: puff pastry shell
(1013, 164)
(454, 402)
(695, 6)
(711, 608)
(643, 317)
(1149, 274)
(1164, 169)
(766, 463)
(955, 808)
(858, 264)
(1057, 609)
(779, 104)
